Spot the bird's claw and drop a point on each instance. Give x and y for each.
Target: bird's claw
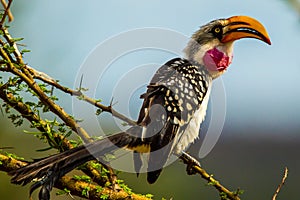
(191, 162)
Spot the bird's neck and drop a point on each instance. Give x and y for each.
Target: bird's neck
(214, 57)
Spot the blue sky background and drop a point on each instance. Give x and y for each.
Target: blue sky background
(262, 84)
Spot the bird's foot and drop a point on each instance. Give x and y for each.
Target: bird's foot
(191, 163)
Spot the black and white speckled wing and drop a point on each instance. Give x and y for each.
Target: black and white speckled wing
(172, 110)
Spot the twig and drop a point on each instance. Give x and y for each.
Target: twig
(7, 11)
(285, 175)
(35, 74)
(33, 118)
(195, 166)
(12, 43)
(47, 79)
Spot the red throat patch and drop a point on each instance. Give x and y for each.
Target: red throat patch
(216, 60)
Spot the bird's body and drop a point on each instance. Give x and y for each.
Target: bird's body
(180, 92)
(174, 106)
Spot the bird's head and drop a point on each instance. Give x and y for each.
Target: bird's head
(212, 44)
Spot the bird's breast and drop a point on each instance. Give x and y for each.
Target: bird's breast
(192, 130)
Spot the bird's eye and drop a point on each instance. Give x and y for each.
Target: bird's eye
(217, 30)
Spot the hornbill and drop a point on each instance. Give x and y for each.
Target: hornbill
(173, 108)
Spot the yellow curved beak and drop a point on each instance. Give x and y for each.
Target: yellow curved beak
(238, 27)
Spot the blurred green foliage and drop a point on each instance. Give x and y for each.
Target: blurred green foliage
(294, 4)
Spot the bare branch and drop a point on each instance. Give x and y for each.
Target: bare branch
(285, 175)
(196, 168)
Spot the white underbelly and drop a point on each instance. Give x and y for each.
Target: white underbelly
(192, 130)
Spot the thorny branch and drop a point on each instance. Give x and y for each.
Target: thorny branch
(17, 68)
(28, 114)
(47, 79)
(74, 186)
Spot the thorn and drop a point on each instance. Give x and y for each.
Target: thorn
(80, 83)
(52, 89)
(111, 104)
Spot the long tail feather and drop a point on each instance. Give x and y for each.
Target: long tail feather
(47, 171)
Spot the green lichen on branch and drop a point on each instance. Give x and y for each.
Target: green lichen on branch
(81, 186)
